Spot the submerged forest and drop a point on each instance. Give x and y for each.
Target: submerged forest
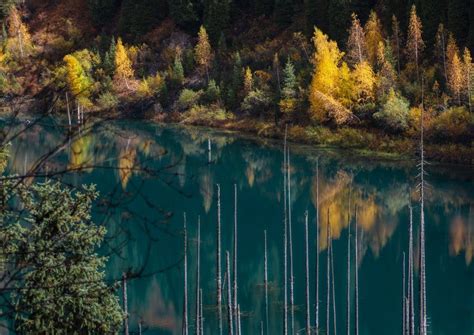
(237, 167)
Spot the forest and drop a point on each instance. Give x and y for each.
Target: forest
(353, 74)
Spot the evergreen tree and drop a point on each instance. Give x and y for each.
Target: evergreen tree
(440, 50)
(396, 41)
(63, 279)
(177, 70)
(338, 12)
(458, 19)
(216, 18)
(356, 44)
(289, 81)
(415, 44)
(284, 10)
(182, 12)
(102, 10)
(109, 58)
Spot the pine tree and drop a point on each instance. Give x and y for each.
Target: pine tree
(123, 64)
(415, 44)
(396, 41)
(386, 76)
(373, 36)
(440, 50)
(182, 12)
(61, 276)
(458, 19)
(216, 18)
(338, 12)
(109, 58)
(356, 44)
(284, 10)
(289, 80)
(177, 70)
(203, 51)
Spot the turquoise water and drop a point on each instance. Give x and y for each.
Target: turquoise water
(164, 172)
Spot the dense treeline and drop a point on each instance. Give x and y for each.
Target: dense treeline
(361, 69)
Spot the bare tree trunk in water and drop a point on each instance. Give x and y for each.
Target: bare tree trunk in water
(328, 276)
(285, 242)
(266, 283)
(308, 321)
(317, 249)
(219, 275)
(125, 303)
(229, 296)
(185, 307)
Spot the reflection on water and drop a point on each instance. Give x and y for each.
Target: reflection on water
(148, 175)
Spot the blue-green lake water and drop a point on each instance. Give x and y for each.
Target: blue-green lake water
(149, 175)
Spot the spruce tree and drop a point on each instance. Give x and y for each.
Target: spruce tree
(216, 18)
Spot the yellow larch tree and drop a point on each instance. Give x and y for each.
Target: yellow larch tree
(123, 64)
(415, 43)
(203, 51)
(467, 71)
(19, 39)
(77, 80)
(248, 80)
(455, 70)
(326, 82)
(356, 44)
(373, 36)
(364, 82)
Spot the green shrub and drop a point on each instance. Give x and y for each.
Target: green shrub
(107, 100)
(188, 98)
(394, 112)
(206, 114)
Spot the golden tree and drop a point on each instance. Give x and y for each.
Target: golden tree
(364, 81)
(356, 44)
(248, 80)
(467, 71)
(455, 70)
(415, 44)
(203, 51)
(19, 41)
(325, 85)
(373, 36)
(123, 64)
(77, 80)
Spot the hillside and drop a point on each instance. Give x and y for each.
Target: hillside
(360, 75)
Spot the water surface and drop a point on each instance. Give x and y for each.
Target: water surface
(149, 175)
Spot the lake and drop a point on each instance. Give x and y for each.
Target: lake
(149, 175)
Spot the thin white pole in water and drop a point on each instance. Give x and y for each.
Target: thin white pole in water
(140, 327)
(328, 275)
(285, 242)
(201, 315)
(356, 261)
(185, 305)
(234, 308)
(68, 110)
(229, 295)
(411, 293)
(209, 151)
(218, 275)
(239, 315)
(198, 275)
(292, 277)
(403, 297)
(348, 327)
(333, 289)
(125, 303)
(317, 248)
(266, 282)
(308, 321)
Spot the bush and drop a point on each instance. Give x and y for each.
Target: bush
(151, 86)
(212, 94)
(107, 100)
(257, 101)
(188, 98)
(206, 114)
(456, 123)
(394, 113)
